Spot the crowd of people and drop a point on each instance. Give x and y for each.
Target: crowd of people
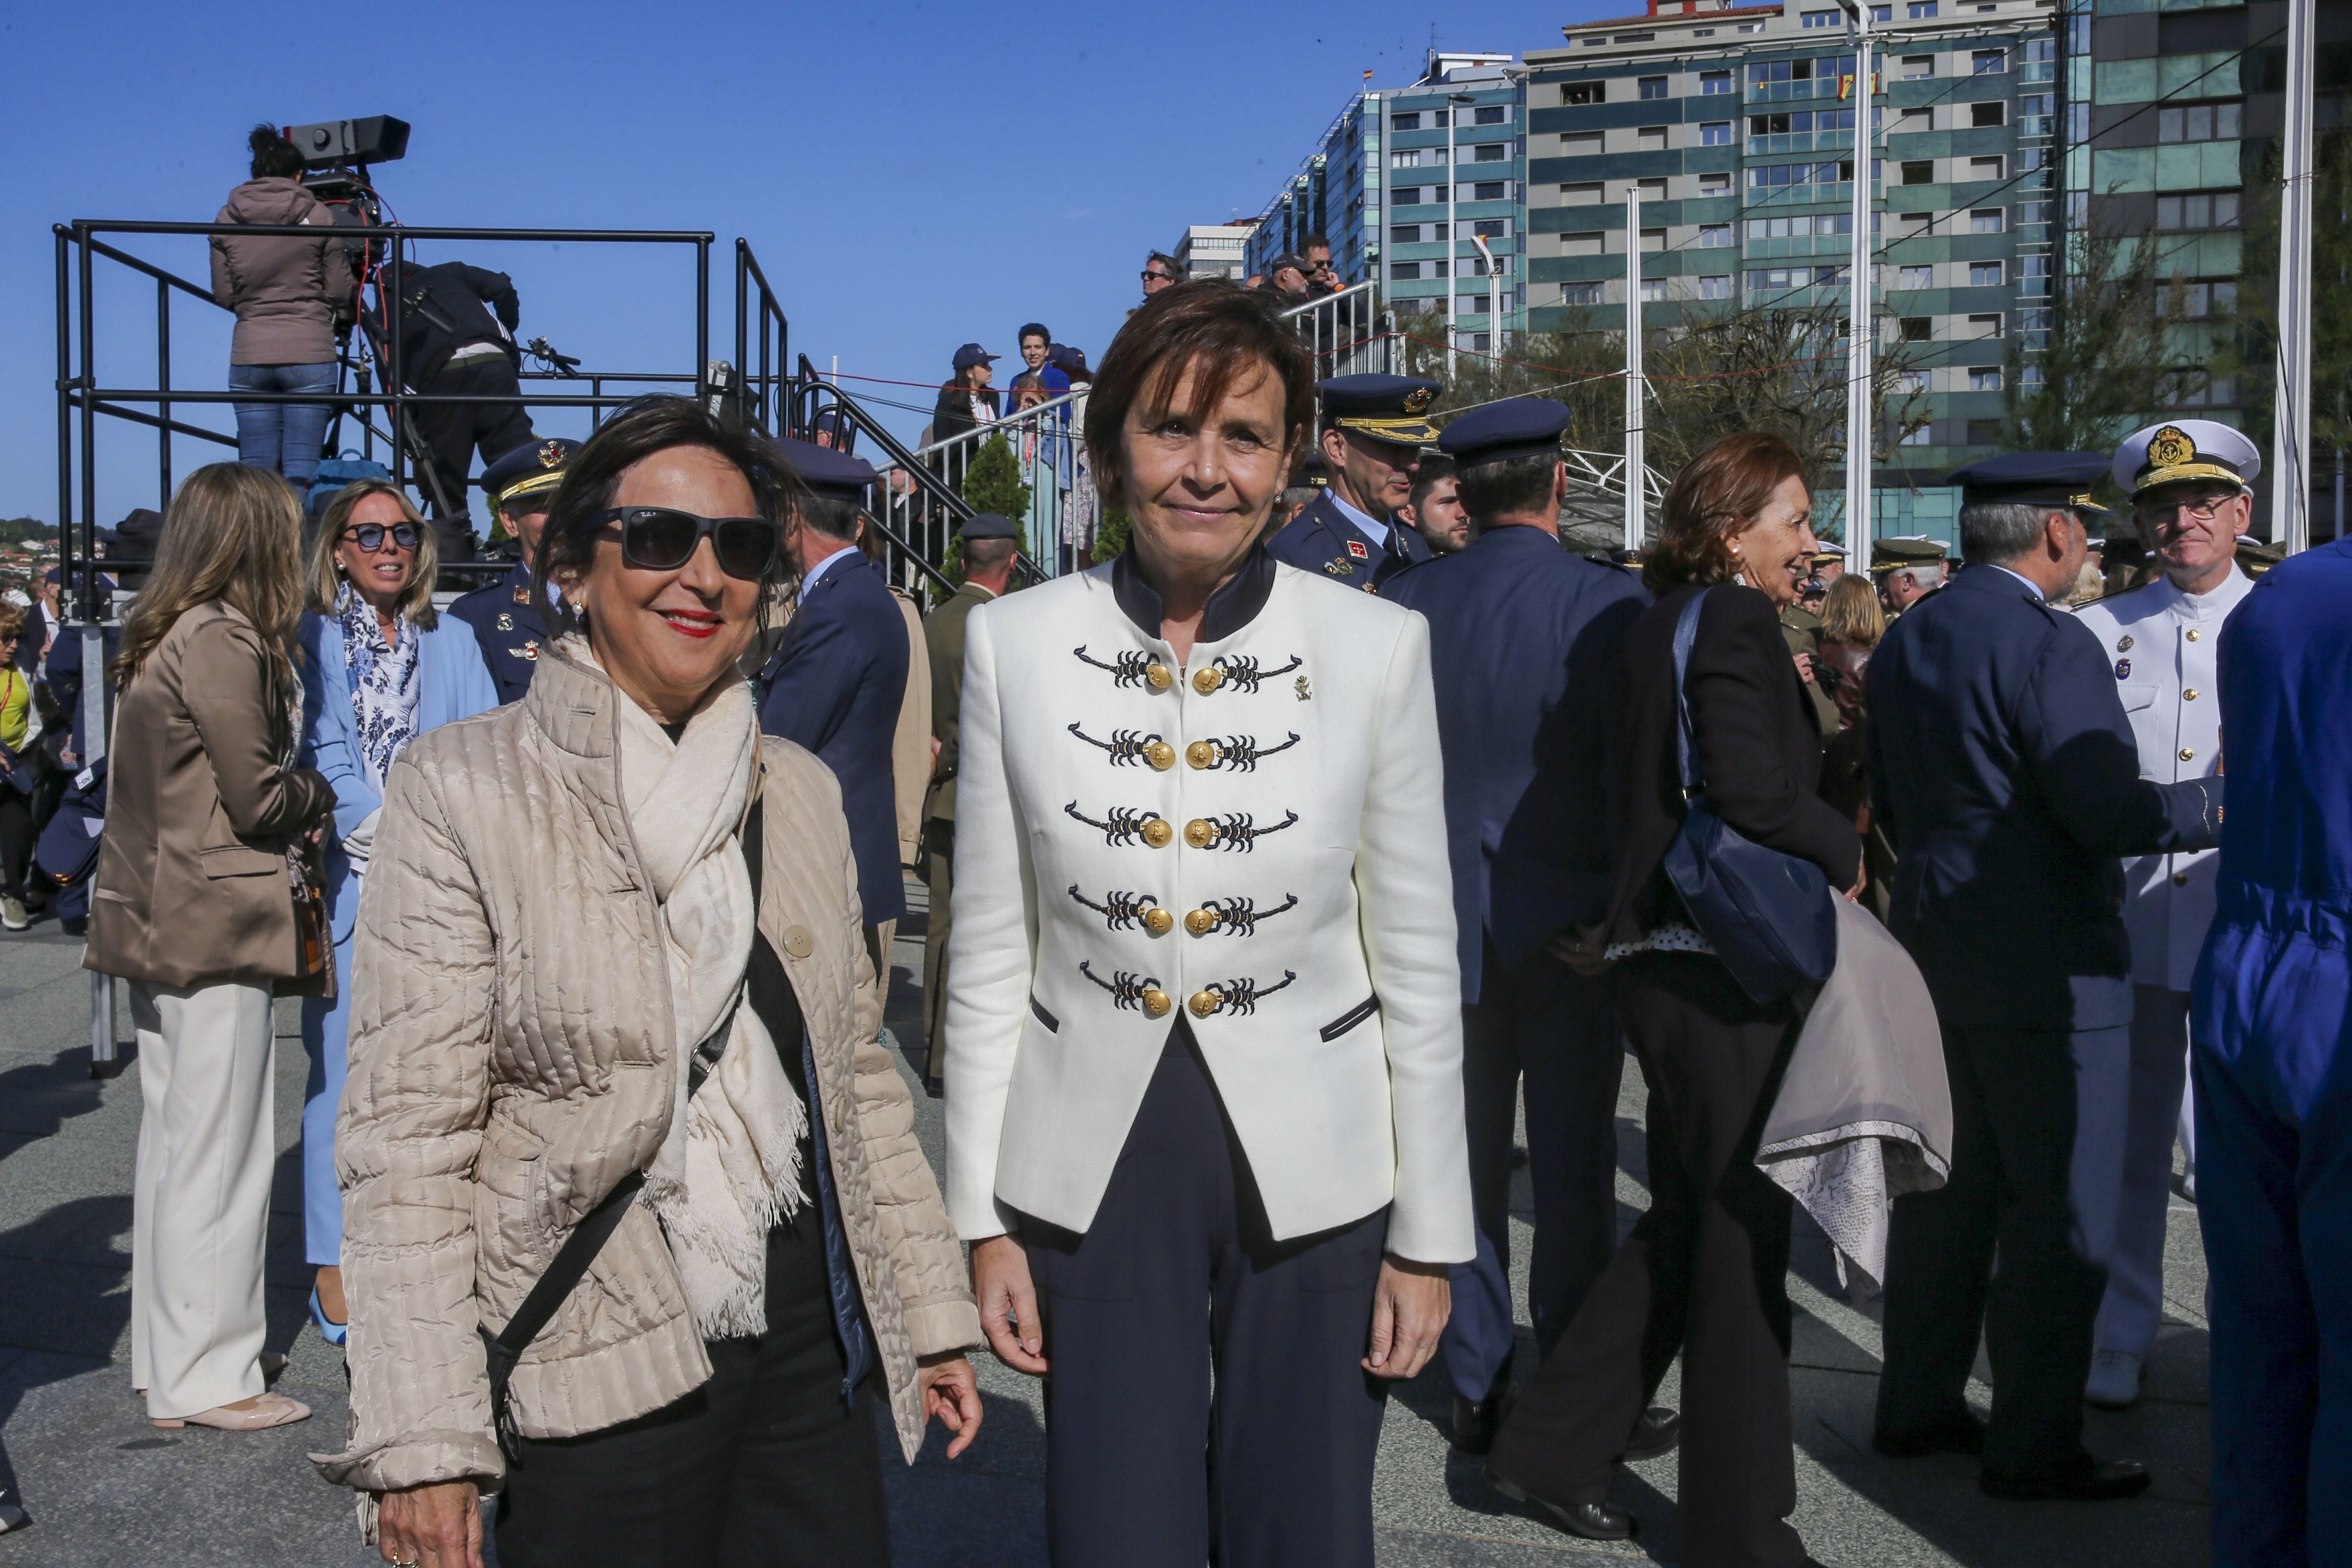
(590, 881)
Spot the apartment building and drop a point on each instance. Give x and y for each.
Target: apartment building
(1215, 250)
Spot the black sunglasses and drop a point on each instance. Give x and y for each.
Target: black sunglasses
(1150, 276)
(659, 538)
(369, 537)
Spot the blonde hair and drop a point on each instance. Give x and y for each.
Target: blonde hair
(12, 621)
(233, 533)
(1851, 614)
(326, 574)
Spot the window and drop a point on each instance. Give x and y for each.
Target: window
(1577, 92)
(1780, 278)
(2208, 297)
(2198, 122)
(1712, 82)
(1651, 190)
(2204, 210)
(1984, 275)
(1882, 13)
(1712, 236)
(1470, 304)
(1441, 119)
(1404, 233)
(1917, 277)
(1984, 378)
(1653, 239)
(1487, 229)
(1490, 152)
(1917, 329)
(1715, 133)
(1580, 144)
(1651, 87)
(1984, 168)
(1801, 121)
(2045, 51)
(1920, 172)
(1703, 32)
(1632, 38)
(1917, 437)
(2035, 319)
(1715, 287)
(1492, 114)
(1985, 221)
(1715, 185)
(1750, 27)
(1914, 121)
(1917, 68)
(1410, 157)
(2034, 212)
(1909, 383)
(1579, 294)
(2034, 266)
(1405, 271)
(1821, 18)
(1654, 289)
(1595, 43)
(1984, 115)
(1988, 62)
(1405, 196)
(1987, 326)
(1650, 138)
(1801, 225)
(2031, 376)
(1582, 193)
(1922, 10)
(1984, 432)
(1406, 122)
(1592, 242)
(1770, 174)
(1491, 190)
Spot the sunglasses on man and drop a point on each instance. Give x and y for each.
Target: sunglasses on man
(370, 537)
(1151, 277)
(661, 538)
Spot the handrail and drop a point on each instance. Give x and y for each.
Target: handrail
(769, 382)
(1046, 451)
(1345, 331)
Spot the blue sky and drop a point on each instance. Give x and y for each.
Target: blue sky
(912, 175)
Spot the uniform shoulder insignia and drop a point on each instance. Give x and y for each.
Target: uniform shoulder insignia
(521, 594)
(1359, 549)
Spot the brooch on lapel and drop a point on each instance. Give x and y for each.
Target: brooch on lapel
(2123, 669)
(1356, 548)
(522, 596)
(2125, 644)
(1306, 693)
(506, 622)
(1339, 568)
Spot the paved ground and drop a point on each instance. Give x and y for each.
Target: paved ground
(107, 1491)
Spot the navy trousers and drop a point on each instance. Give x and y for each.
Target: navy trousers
(1557, 1029)
(1153, 1461)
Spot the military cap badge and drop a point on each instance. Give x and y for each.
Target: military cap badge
(1418, 400)
(2170, 447)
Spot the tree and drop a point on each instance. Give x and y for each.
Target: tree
(991, 483)
(1110, 539)
(2250, 355)
(2111, 354)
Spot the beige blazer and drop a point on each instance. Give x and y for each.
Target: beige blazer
(513, 1058)
(192, 886)
(910, 747)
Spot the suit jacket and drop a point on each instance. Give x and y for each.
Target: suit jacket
(943, 639)
(191, 877)
(834, 685)
(2003, 770)
(1272, 871)
(1760, 751)
(506, 624)
(1323, 538)
(1524, 637)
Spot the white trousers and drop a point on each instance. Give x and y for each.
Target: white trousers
(200, 1204)
(2134, 1303)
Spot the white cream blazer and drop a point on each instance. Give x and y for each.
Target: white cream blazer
(1254, 840)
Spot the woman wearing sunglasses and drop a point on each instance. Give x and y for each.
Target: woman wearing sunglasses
(380, 668)
(609, 965)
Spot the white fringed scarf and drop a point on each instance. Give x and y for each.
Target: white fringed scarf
(729, 1167)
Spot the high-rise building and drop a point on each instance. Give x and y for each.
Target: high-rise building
(1215, 250)
(1738, 124)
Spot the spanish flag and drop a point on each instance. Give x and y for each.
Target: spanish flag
(1368, 76)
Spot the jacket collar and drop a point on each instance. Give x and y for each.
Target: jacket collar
(572, 701)
(1230, 609)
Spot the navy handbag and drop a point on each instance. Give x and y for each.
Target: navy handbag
(1766, 914)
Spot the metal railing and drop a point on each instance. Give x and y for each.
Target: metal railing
(763, 378)
(1059, 523)
(1348, 332)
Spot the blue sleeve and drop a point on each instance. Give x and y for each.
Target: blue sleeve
(2077, 746)
(471, 689)
(329, 742)
(814, 681)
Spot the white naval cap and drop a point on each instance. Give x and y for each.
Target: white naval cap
(2185, 449)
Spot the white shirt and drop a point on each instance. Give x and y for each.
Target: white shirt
(821, 567)
(1366, 524)
(2161, 644)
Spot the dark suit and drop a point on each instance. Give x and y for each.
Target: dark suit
(943, 639)
(505, 619)
(1323, 538)
(1705, 1271)
(834, 685)
(1523, 638)
(2005, 771)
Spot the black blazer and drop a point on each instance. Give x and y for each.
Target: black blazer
(952, 414)
(1760, 751)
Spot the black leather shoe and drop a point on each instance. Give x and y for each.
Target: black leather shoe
(2082, 1478)
(1592, 1521)
(1475, 1422)
(1655, 1432)
(1965, 1435)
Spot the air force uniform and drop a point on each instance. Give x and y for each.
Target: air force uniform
(505, 614)
(1331, 535)
(1522, 636)
(2164, 646)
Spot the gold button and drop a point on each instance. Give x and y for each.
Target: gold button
(2187, 754)
(1201, 754)
(2181, 879)
(798, 942)
(1156, 833)
(1208, 680)
(1159, 922)
(1156, 1003)
(1204, 1003)
(2192, 633)
(1162, 756)
(1200, 833)
(1201, 922)
(1157, 673)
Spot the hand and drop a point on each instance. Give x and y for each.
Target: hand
(1805, 668)
(1581, 950)
(1008, 1303)
(1861, 880)
(438, 1525)
(1410, 1306)
(951, 1393)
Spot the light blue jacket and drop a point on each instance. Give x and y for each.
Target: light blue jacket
(452, 684)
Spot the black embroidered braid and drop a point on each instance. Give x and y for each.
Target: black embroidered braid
(1125, 746)
(1242, 996)
(1241, 753)
(1123, 910)
(1125, 987)
(1241, 915)
(1128, 672)
(1243, 671)
(1241, 831)
(1124, 827)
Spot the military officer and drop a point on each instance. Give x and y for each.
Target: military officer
(1829, 563)
(2004, 770)
(1522, 634)
(1373, 429)
(838, 677)
(1908, 570)
(505, 617)
(1801, 629)
(2188, 482)
(989, 542)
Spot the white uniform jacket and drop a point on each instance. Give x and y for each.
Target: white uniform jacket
(2161, 644)
(1254, 841)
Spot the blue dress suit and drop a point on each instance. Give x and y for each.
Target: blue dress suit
(2271, 1022)
(452, 684)
(505, 619)
(1523, 636)
(1323, 538)
(2006, 775)
(835, 686)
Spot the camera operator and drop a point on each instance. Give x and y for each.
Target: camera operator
(456, 336)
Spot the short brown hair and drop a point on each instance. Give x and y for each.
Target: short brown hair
(1716, 495)
(1213, 322)
(326, 578)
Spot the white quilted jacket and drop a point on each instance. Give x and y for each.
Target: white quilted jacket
(511, 1059)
